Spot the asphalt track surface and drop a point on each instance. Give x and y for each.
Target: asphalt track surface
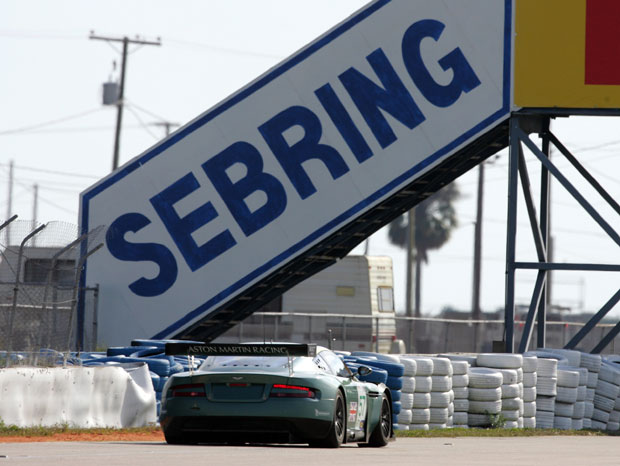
(548, 451)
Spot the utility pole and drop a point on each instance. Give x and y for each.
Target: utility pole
(121, 95)
(412, 309)
(167, 125)
(9, 204)
(35, 209)
(476, 312)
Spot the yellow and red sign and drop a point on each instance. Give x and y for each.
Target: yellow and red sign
(567, 54)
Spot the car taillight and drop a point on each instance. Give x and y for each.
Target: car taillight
(291, 391)
(188, 390)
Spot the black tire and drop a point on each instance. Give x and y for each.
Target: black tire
(381, 434)
(180, 440)
(337, 431)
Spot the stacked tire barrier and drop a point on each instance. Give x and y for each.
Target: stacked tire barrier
(566, 397)
(408, 390)
(591, 362)
(580, 404)
(460, 388)
(606, 393)
(510, 366)
(530, 367)
(442, 396)
(614, 416)
(567, 412)
(546, 391)
(394, 381)
(485, 397)
(421, 412)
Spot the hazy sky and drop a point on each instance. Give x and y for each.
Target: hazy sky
(52, 72)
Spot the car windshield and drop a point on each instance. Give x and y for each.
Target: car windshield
(256, 363)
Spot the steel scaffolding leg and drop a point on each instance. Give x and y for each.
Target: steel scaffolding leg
(511, 236)
(520, 126)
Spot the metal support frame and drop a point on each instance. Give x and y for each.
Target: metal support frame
(16, 285)
(76, 284)
(520, 126)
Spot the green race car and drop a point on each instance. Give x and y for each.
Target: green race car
(273, 393)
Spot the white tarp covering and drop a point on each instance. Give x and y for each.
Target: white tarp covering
(105, 396)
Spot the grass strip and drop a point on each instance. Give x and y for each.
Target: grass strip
(500, 432)
(40, 431)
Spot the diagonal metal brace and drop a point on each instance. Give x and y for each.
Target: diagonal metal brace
(595, 319)
(567, 185)
(582, 170)
(531, 209)
(607, 340)
(533, 311)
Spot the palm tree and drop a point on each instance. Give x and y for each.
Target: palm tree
(434, 220)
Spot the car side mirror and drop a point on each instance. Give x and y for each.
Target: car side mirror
(364, 371)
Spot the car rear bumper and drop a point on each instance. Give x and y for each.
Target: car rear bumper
(222, 429)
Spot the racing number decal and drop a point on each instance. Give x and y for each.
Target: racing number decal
(361, 407)
(353, 412)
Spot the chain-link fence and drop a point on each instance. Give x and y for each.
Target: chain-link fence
(40, 267)
(420, 335)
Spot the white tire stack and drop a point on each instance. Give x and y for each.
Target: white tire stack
(460, 383)
(530, 366)
(511, 368)
(442, 397)
(420, 413)
(614, 417)
(485, 396)
(546, 391)
(572, 357)
(580, 404)
(567, 388)
(607, 391)
(592, 362)
(512, 397)
(406, 393)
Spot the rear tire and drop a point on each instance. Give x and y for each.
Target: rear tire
(337, 431)
(381, 434)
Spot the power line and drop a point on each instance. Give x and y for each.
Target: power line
(217, 48)
(167, 125)
(53, 204)
(144, 110)
(144, 125)
(52, 172)
(83, 129)
(49, 123)
(37, 35)
(48, 184)
(46, 201)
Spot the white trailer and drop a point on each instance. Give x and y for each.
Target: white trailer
(360, 286)
(352, 300)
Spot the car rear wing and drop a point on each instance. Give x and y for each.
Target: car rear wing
(244, 349)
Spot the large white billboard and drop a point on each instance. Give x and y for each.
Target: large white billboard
(291, 158)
